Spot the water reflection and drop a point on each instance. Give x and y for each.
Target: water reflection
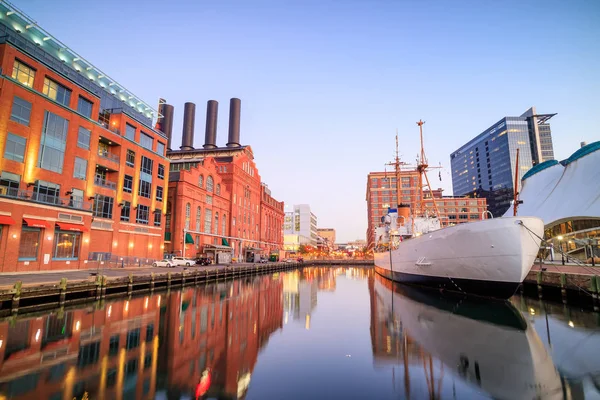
(464, 348)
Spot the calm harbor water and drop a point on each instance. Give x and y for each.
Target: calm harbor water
(313, 333)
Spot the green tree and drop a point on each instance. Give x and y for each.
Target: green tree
(302, 249)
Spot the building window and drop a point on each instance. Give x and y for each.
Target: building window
(29, 245)
(188, 213)
(113, 345)
(147, 165)
(11, 182)
(76, 200)
(46, 192)
(159, 193)
(168, 216)
(149, 332)
(142, 214)
(57, 92)
(145, 188)
(216, 223)
(218, 188)
(198, 218)
(201, 181)
(126, 211)
(160, 148)
(103, 206)
(21, 111)
(83, 138)
(23, 73)
(130, 159)
(207, 221)
(15, 148)
(146, 141)
(133, 339)
(128, 183)
(157, 218)
(84, 107)
(130, 132)
(161, 171)
(66, 245)
(53, 142)
(233, 221)
(80, 169)
(209, 184)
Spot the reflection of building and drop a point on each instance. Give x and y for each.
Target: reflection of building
(82, 168)
(221, 327)
(488, 161)
(300, 222)
(382, 194)
(109, 353)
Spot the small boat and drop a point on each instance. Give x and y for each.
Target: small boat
(489, 257)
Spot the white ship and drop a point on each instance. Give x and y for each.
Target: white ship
(490, 257)
(489, 345)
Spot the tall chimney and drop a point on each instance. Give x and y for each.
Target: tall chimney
(187, 137)
(210, 137)
(167, 123)
(234, 123)
(583, 144)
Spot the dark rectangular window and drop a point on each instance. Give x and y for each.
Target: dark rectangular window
(80, 168)
(142, 214)
(148, 360)
(83, 138)
(130, 160)
(157, 218)
(15, 148)
(66, 245)
(161, 171)
(84, 107)
(113, 347)
(147, 165)
(46, 192)
(53, 142)
(133, 339)
(145, 188)
(88, 354)
(146, 141)
(130, 132)
(149, 332)
(11, 182)
(29, 244)
(128, 183)
(103, 206)
(159, 193)
(57, 92)
(23, 73)
(160, 148)
(126, 211)
(21, 111)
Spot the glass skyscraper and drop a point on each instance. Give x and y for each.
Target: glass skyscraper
(485, 166)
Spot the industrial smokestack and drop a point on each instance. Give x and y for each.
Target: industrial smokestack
(210, 137)
(234, 123)
(167, 123)
(187, 137)
(583, 144)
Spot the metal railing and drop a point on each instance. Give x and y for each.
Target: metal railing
(100, 181)
(108, 156)
(30, 195)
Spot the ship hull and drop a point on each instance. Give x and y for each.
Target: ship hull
(488, 258)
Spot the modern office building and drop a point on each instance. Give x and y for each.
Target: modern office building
(83, 170)
(253, 215)
(300, 222)
(381, 195)
(328, 234)
(485, 166)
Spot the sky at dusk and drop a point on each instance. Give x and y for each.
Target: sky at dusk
(324, 84)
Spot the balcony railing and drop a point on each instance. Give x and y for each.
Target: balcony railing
(109, 156)
(30, 195)
(100, 181)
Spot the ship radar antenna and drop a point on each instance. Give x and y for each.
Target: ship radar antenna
(422, 167)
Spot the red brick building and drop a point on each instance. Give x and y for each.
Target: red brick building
(110, 353)
(83, 174)
(254, 218)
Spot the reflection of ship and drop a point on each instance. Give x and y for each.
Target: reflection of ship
(490, 257)
(489, 345)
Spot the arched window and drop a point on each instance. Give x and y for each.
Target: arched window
(216, 223)
(209, 183)
(218, 188)
(198, 216)
(223, 224)
(201, 181)
(188, 213)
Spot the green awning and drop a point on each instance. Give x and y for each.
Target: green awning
(224, 242)
(189, 239)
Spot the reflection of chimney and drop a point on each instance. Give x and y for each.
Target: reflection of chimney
(210, 137)
(234, 123)
(187, 137)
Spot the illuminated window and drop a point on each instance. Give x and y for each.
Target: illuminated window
(66, 245)
(29, 245)
(57, 92)
(23, 73)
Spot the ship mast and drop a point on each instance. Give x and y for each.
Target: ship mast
(516, 191)
(422, 167)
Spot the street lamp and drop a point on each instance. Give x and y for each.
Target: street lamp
(560, 238)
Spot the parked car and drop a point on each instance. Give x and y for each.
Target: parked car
(300, 260)
(263, 260)
(163, 263)
(203, 261)
(182, 261)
